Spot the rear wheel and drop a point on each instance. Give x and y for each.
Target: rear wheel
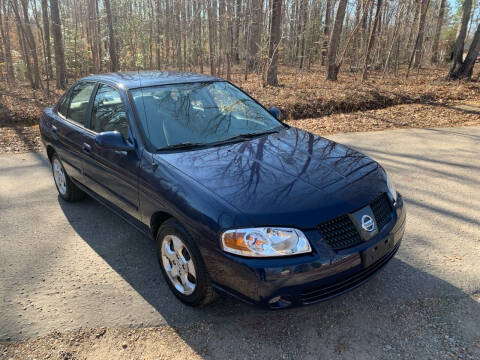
(182, 265)
(66, 188)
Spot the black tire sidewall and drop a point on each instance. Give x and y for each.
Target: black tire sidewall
(172, 227)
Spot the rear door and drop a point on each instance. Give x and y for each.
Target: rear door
(70, 128)
(112, 174)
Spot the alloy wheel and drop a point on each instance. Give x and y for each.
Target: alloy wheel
(178, 264)
(59, 176)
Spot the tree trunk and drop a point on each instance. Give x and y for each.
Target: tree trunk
(356, 40)
(111, 37)
(460, 42)
(371, 40)
(23, 44)
(157, 34)
(58, 45)
(255, 34)
(396, 28)
(236, 47)
(275, 38)
(167, 31)
(46, 30)
(303, 21)
(466, 69)
(221, 37)
(326, 30)
(421, 30)
(212, 18)
(334, 44)
(30, 45)
(99, 38)
(438, 31)
(5, 31)
(414, 25)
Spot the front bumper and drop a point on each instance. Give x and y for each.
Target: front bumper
(307, 279)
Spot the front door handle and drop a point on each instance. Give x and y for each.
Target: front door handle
(87, 149)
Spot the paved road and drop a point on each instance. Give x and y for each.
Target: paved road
(65, 266)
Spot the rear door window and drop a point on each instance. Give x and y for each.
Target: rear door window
(63, 105)
(80, 95)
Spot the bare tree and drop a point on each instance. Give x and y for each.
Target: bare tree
(5, 32)
(275, 38)
(254, 40)
(334, 43)
(417, 48)
(438, 30)
(466, 68)
(58, 45)
(111, 37)
(460, 42)
(212, 18)
(228, 35)
(326, 30)
(371, 40)
(46, 30)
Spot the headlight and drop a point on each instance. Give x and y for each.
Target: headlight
(391, 188)
(265, 242)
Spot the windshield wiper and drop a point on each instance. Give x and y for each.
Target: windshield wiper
(248, 136)
(190, 145)
(183, 145)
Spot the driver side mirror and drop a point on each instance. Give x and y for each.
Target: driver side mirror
(113, 140)
(275, 112)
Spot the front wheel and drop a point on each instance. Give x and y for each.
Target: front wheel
(66, 188)
(182, 265)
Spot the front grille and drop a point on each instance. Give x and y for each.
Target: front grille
(325, 292)
(340, 233)
(382, 210)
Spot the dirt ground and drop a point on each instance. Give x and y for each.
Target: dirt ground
(20, 139)
(101, 293)
(427, 328)
(307, 101)
(395, 117)
(423, 331)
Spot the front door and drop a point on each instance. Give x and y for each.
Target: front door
(112, 174)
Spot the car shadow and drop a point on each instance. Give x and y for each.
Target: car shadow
(403, 310)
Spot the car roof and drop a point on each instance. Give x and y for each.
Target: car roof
(136, 79)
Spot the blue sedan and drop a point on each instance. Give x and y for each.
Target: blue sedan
(238, 202)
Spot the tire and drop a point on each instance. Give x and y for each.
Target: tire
(67, 190)
(189, 284)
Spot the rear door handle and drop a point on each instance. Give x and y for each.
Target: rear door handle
(54, 132)
(87, 149)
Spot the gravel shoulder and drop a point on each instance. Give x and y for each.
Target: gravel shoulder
(76, 282)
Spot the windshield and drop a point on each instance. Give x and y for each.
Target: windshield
(199, 113)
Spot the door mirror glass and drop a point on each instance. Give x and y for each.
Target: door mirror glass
(113, 140)
(275, 112)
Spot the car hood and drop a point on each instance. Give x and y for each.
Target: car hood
(290, 178)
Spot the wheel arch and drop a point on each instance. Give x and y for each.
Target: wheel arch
(50, 152)
(157, 219)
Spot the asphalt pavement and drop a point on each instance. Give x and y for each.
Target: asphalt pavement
(66, 266)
